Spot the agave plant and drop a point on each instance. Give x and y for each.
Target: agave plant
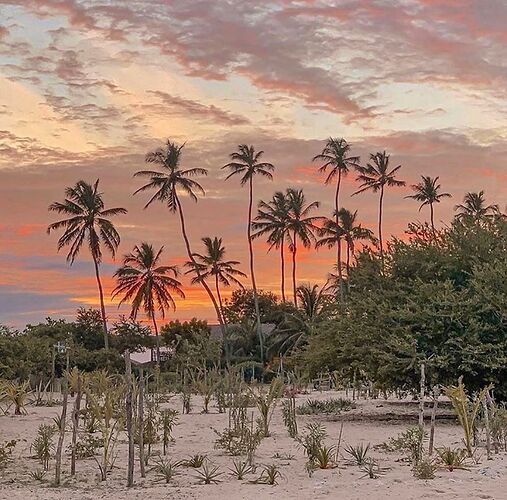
(17, 395)
(165, 470)
(209, 473)
(452, 458)
(358, 454)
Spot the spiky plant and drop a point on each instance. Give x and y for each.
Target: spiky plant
(43, 445)
(451, 458)
(425, 468)
(358, 455)
(269, 475)
(240, 469)
(195, 461)
(165, 470)
(17, 395)
(266, 402)
(324, 457)
(209, 473)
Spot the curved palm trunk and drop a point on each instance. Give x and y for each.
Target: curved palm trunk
(348, 243)
(102, 306)
(294, 287)
(227, 348)
(252, 271)
(192, 259)
(339, 240)
(432, 215)
(282, 263)
(380, 228)
(157, 336)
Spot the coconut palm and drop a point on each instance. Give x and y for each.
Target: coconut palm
(145, 283)
(376, 176)
(337, 163)
(300, 323)
(271, 221)
(169, 182)
(427, 192)
(246, 163)
(301, 226)
(87, 223)
(212, 264)
(474, 208)
(352, 232)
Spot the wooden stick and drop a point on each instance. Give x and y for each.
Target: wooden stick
(433, 420)
(75, 423)
(63, 417)
(140, 417)
(128, 412)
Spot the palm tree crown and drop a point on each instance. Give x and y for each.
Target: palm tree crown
(212, 264)
(336, 159)
(171, 178)
(245, 162)
(87, 222)
(474, 207)
(147, 284)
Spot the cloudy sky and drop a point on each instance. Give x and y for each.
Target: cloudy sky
(87, 87)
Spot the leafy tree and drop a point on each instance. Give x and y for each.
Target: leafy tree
(246, 163)
(130, 335)
(87, 222)
(475, 208)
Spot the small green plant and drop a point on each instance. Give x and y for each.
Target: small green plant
(17, 395)
(324, 457)
(186, 401)
(312, 439)
(195, 461)
(43, 445)
(358, 454)
(269, 475)
(425, 468)
(372, 469)
(38, 475)
(467, 410)
(88, 446)
(169, 418)
(209, 473)
(409, 442)
(165, 470)
(6, 452)
(284, 456)
(240, 469)
(266, 402)
(452, 458)
(327, 407)
(289, 416)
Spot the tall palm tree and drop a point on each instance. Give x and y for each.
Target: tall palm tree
(272, 219)
(246, 163)
(212, 264)
(147, 284)
(427, 192)
(169, 182)
(352, 232)
(88, 221)
(337, 163)
(301, 226)
(376, 176)
(475, 208)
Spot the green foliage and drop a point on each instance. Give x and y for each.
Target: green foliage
(408, 442)
(312, 440)
(209, 473)
(132, 336)
(266, 402)
(165, 470)
(195, 461)
(38, 475)
(328, 406)
(289, 416)
(425, 468)
(372, 469)
(6, 449)
(43, 445)
(269, 475)
(452, 458)
(169, 418)
(358, 455)
(240, 469)
(325, 457)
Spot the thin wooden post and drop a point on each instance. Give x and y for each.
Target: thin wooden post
(75, 423)
(63, 417)
(487, 429)
(433, 420)
(421, 396)
(128, 412)
(140, 418)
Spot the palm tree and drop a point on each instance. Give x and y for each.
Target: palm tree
(352, 232)
(168, 182)
(212, 264)
(147, 284)
(88, 221)
(301, 323)
(474, 208)
(301, 225)
(428, 192)
(375, 176)
(337, 163)
(272, 218)
(246, 163)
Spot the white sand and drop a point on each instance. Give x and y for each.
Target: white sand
(486, 480)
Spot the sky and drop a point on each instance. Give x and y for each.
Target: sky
(87, 88)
